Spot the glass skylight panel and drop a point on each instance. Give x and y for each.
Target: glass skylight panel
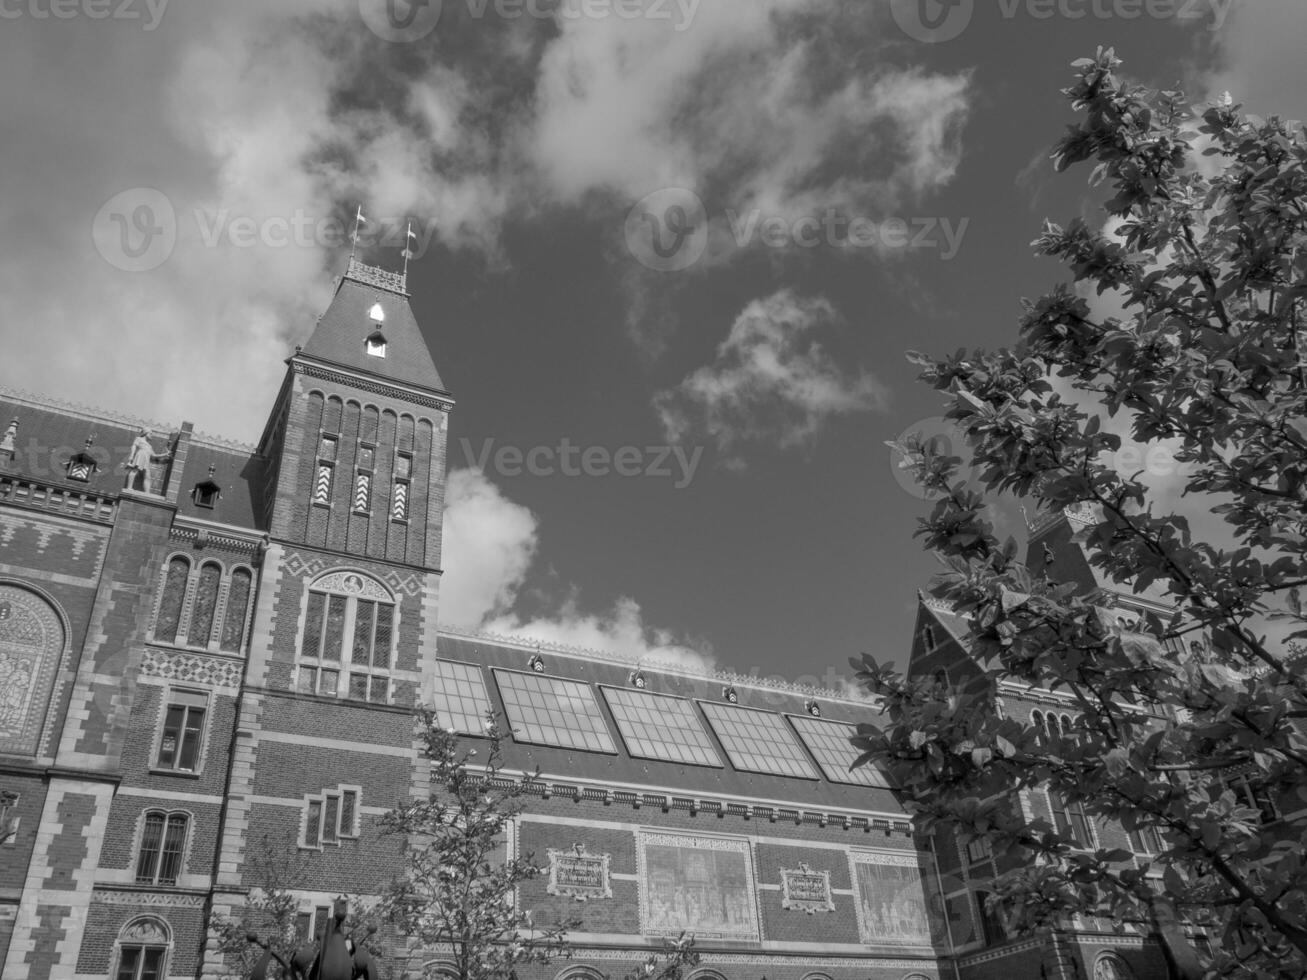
(659, 727)
(758, 741)
(461, 698)
(553, 711)
(829, 742)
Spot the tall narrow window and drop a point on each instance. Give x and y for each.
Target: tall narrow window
(206, 602)
(170, 605)
(326, 468)
(238, 603)
(349, 627)
(331, 816)
(183, 732)
(163, 842)
(1070, 819)
(363, 479)
(991, 923)
(1146, 840)
(399, 498)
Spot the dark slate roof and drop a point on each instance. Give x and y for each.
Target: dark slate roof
(340, 334)
(238, 472)
(50, 433)
(623, 769)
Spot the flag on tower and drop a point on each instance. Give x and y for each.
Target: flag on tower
(354, 235)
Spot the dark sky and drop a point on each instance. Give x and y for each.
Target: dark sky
(245, 134)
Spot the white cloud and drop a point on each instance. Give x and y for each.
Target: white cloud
(271, 112)
(1259, 57)
(771, 380)
(490, 543)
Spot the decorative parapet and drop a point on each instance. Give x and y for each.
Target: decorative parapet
(527, 644)
(1085, 514)
(370, 275)
(56, 499)
(87, 412)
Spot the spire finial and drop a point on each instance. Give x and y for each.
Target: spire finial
(408, 249)
(354, 235)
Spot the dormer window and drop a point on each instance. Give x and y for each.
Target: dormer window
(82, 466)
(206, 494)
(376, 342)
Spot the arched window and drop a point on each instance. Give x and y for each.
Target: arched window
(1109, 966)
(349, 628)
(174, 594)
(143, 950)
(206, 604)
(238, 604)
(31, 646)
(163, 845)
(1037, 719)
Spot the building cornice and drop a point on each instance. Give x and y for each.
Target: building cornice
(662, 666)
(229, 536)
(324, 370)
(721, 805)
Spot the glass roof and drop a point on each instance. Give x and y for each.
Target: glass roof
(656, 726)
(829, 742)
(461, 699)
(758, 741)
(553, 711)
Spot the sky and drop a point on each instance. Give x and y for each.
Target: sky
(669, 256)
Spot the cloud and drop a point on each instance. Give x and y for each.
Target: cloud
(268, 114)
(743, 101)
(1259, 58)
(490, 543)
(771, 380)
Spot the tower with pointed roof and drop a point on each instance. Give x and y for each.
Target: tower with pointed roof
(344, 627)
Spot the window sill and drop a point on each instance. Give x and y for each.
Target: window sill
(176, 773)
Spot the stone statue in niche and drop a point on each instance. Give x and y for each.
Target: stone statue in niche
(139, 459)
(8, 448)
(332, 955)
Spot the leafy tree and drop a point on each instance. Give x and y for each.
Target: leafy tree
(1205, 257)
(268, 920)
(459, 889)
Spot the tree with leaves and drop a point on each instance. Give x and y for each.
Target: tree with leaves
(267, 937)
(1202, 269)
(459, 887)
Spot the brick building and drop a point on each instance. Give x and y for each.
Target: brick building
(1086, 947)
(225, 655)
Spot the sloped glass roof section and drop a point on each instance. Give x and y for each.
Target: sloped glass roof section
(553, 711)
(758, 741)
(829, 742)
(655, 726)
(461, 700)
